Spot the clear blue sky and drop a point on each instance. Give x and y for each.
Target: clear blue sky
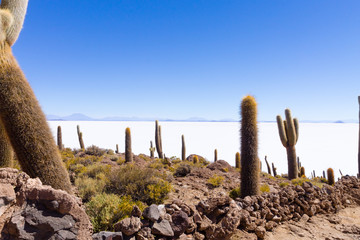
(180, 59)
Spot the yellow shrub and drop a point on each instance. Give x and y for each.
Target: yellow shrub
(216, 180)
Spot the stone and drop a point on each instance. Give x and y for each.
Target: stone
(162, 228)
(180, 222)
(128, 226)
(145, 234)
(152, 213)
(136, 212)
(105, 235)
(260, 232)
(204, 224)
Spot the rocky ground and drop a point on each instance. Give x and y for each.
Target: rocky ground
(195, 209)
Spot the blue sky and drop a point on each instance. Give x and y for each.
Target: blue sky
(180, 59)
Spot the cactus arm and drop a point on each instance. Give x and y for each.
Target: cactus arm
(296, 124)
(17, 9)
(291, 134)
(281, 127)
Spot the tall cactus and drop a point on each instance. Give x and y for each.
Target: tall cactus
(158, 141)
(80, 136)
(289, 134)
(237, 160)
(117, 148)
(274, 169)
(267, 165)
(6, 152)
(128, 151)
(215, 155)
(59, 138)
(183, 148)
(250, 169)
(21, 114)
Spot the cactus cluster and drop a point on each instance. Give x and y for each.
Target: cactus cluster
(289, 134)
(250, 169)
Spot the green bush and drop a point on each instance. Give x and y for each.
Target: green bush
(95, 169)
(235, 193)
(104, 210)
(284, 184)
(215, 181)
(138, 182)
(182, 170)
(264, 188)
(95, 151)
(89, 187)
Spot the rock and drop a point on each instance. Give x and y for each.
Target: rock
(180, 222)
(36, 211)
(136, 212)
(162, 211)
(205, 223)
(199, 236)
(269, 226)
(145, 234)
(128, 226)
(220, 165)
(104, 235)
(162, 228)
(260, 232)
(152, 213)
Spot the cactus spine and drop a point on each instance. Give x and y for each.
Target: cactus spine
(183, 148)
(81, 141)
(215, 155)
(6, 152)
(289, 133)
(267, 165)
(250, 174)
(331, 177)
(158, 142)
(152, 150)
(21, 114)
(237, 160)
(128, 152)
(59, 138)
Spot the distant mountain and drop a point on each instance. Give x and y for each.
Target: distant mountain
(72, 117)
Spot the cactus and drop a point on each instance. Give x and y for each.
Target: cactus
(274, 169)
(215, 155)
(250, 174)
(21, 114)
(128, 152)
(302, 171)
(59, 138)
(340, 173)
(158, 142)
(324, 176)
(237, 160)
(268, 166)
(81, 141)
(183, 148)
(195, 159)
(117, 148)
(152, 150)
(331, 177)
(314, 174)
(289, 133)
(6, 152)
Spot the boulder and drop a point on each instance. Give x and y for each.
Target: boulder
(128, 226)
(152, 213)
(180, 222)
(162, 228)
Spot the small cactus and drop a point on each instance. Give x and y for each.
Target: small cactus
(59, 138)
(324, 176)
(128, 152)
(340, 172)
(268, 166)
(289, 134)
(250, 174)
(302, 171)
(117, 148)
(274, 169)
(195, 159)
(80, 136)
(152, 150)
(331, 177)
(215, 155)
(183, 148)
(158, 142)
(237, 160)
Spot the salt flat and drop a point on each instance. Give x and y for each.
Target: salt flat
(320, 145)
